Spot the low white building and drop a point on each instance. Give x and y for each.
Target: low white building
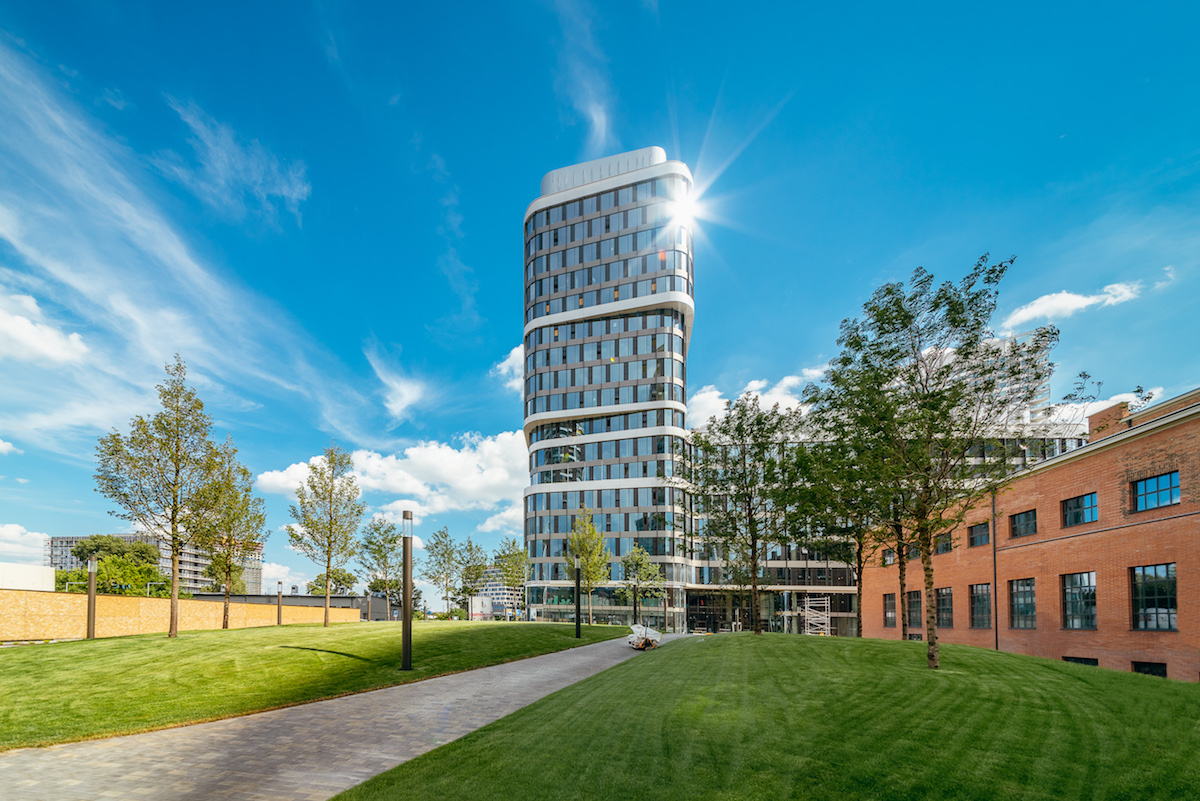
(26, 577)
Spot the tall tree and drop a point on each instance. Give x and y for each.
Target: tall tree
(512, 559)
(234, 523)
(157, 474)
(587, 543)
(440, 565)
(641, 579)
(327, 514)
(939, 392)
(472, 571)
(338, 581)
(381, 555)
(733, 469)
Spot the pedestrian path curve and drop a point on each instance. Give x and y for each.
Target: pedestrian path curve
(307, 753)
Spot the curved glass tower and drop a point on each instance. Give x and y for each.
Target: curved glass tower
(608, 315)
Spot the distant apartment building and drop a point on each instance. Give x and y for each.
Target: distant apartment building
(1088, 556)
(502, 596)
(57, 554)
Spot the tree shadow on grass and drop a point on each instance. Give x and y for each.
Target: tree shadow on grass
(327, 651)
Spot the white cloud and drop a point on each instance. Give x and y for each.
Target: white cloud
(7, 448)
(273, 572)
(24, 335)
(400, 393)
(1167, 279)
(510, 520)
(1059, 305)
(285, 482)
(18, 544)
(481, 473)
(582, 76)
(22, 481)
(512, 369)
(233, 176)
(710, 401)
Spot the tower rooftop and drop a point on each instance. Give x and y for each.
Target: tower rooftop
(565, 178)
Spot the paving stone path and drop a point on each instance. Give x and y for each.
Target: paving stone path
(307, 752)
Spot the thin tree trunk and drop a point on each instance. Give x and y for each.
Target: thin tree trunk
(173, 630)
(902, 562)
(859, 564)
(328, 570)
(228, 581)
(930, 602)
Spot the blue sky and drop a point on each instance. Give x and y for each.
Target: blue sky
(319, 206)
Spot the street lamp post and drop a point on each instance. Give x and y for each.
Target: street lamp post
(279, 603)
(91, 611)
(578, 635)
(406, 525)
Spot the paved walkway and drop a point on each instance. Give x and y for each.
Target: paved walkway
(307, 752)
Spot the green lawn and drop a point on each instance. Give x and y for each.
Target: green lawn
(781, 716)
(61, 692)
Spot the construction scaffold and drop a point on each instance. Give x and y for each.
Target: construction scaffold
(816, 615)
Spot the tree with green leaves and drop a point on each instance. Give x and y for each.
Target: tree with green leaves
(587, 543)
(117, 574)
(732, 470)
(473, 563)
(157, 474)
(327, 512)
(222, 576)
(512, 560)
(99, 546)
(233, 526)
(381, 554)
(394, 589)
(336, 582)
(936, 392)
(641, 579)
(440, 565)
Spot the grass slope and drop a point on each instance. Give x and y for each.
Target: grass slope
(61, 692)
(781, 716)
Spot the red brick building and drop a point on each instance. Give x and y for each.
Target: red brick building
(1091, 556)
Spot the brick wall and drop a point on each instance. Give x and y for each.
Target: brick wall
(29, 615)
(1121, 538)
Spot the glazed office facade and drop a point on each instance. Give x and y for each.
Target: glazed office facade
(608, 304)
(608, 315)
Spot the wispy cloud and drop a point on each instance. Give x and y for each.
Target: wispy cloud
(233, 176)
(1167, 279)
(1060, 305)
(98, 282)
(512, 369)
(583, 81)
(400, 392)
(114, 98)
(458, 274)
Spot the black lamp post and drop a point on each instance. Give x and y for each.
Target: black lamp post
(279, 603)
(578, 634)
(406, 525)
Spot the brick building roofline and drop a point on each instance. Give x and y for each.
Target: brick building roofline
(1179, 409)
